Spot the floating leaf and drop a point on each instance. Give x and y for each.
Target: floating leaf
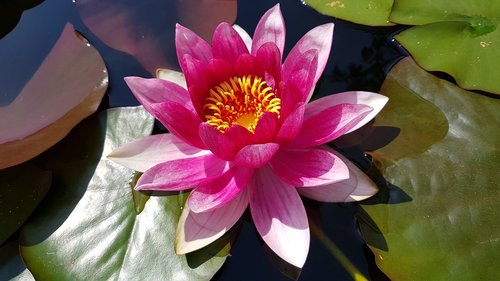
(146, 29)
(68, 87)
(367, 12)
(90, 227)
(21, 189)
(459, 37)
(12, 267)
(438, 217)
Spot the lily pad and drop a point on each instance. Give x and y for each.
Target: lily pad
(89, 227)
(367, 12)
(68, 87)
(459, 37)
(437, 219)
(21, 189)
(146, 29)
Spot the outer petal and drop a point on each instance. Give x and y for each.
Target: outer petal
(309, 167)
(329, 124)
(227, 43)
(182, 174)
(196, 230)
(172, 76)
(244, 36)
(180, 121)
(375, 101)
(221, 191)
(357, 187)
(271, 28)
(187, 42)
(279, 216)
(147, 152)
(256, 155)
(318, 38)
(153, 90)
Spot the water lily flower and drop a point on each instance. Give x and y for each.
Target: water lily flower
(242, 133)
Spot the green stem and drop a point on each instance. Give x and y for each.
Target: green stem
(337, 253)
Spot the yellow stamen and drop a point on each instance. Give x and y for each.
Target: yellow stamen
(240, 101)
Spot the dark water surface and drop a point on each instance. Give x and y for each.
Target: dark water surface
(359, 60)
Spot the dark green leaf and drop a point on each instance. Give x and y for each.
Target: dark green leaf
(437, 219)
(91, 228)
(459, 37)
(367, 12)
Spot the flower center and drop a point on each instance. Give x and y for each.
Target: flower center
(241, 101)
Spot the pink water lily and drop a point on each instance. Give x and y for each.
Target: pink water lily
(242, 133)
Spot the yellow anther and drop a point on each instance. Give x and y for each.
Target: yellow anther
(240, 101)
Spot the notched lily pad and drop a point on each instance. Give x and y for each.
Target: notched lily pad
(68, 87)
(367, 12)
(461, 38)
(92, 226)
(445, 227)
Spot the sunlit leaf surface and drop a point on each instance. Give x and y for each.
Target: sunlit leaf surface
(459, 37)
(367, 12)
(68, 86)
(92, 228)
(437, 219)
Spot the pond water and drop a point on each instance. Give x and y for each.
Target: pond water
(359, 59)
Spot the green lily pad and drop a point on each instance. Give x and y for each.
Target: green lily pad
(459, 37)
(93, 227)
(22, 188)
(437, 219)
(12, 267)
(367, 12)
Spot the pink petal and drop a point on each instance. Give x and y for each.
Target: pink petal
(187, 42)
(180, 121)
(221, 191)
(244, 36)
(266, 128)
(292, 125)
(318, 38)
(216, 142)
(147, 152)
(357, 187)
(182, 174)
(197, 230)
(309, 167)
(271, 28)
(299, 80)
(269, 58)
(227, 43)
(329, 124)
(279, 216)
(149, 91)
(375, 101)
(219, 70)
(256, 155)
(247, 64)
